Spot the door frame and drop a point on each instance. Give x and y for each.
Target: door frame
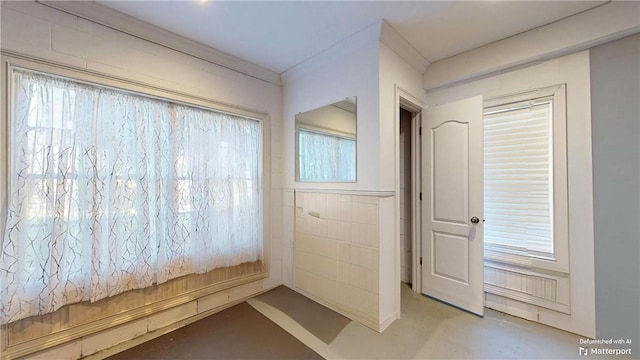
(411, 103)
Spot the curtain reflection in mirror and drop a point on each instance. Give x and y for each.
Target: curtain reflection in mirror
(326, 157)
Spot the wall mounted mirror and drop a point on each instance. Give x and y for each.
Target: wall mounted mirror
(326, 143)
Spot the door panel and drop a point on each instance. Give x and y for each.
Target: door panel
(451, 257)
(450, 175)
(452, 187)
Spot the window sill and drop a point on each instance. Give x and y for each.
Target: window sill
(521, 258)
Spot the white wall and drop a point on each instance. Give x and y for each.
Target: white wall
(349, 68)
(365, 67)
(395, 74)
(36, 30)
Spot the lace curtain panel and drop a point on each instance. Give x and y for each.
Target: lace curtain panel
(111, 191)
(326, 157)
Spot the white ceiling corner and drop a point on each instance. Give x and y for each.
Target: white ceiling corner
(390, 37)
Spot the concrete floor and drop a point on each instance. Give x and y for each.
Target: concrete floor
(429, 329)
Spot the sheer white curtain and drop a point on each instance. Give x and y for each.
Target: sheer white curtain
(326, 157)
(111, 191)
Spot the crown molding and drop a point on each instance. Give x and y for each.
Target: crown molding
(365, 39)
(604, 23)
(390, 37)
(99, 14)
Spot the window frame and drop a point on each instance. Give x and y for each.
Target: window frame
(558, 261)
(11, 62)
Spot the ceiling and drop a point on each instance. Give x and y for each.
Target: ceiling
(278, 35)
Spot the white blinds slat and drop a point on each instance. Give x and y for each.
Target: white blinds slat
(517, 178)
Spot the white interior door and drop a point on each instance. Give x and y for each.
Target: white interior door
(452, 250)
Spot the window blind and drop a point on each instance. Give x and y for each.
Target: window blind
(518, 178)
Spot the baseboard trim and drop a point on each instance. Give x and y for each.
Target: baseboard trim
(118, 348)
(388, 321)
(77, 333)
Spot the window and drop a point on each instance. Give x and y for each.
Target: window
(111, 190)
(326, 157)
(525, 176)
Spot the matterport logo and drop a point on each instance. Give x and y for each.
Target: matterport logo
(612, 347)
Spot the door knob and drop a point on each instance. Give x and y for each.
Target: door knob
(475, 220)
